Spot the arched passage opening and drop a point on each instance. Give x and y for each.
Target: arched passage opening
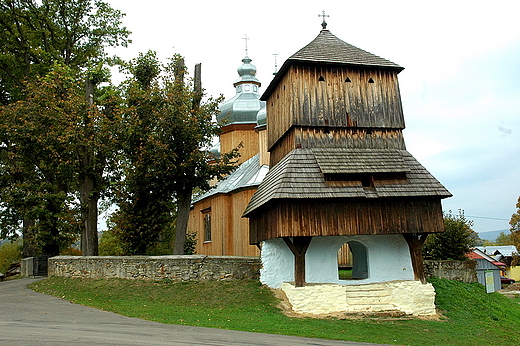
(353, 261)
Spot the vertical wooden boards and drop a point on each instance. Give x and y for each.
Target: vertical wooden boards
(229, 231)
(331, 217)
(240, 134)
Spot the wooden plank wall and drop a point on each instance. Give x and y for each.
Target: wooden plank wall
(325, 217)
(344, 257)
(229, 231)
(302, 99)
(262, 140)
(240, 226)
(244, 134)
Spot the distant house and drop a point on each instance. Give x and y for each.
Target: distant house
(487, 263)
(503, 254)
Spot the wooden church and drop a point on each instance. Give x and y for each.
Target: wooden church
(216, 216)
(339, 174)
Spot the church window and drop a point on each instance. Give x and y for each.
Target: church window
(255, 88)
(206, 215)
(371, 80)
(321, 79)
(239, 88)
(347, 80)
(247, 87)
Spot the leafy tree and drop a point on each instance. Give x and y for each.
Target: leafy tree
(515, 233)
(37, 34)
(167, 131)
(503, 239)
(39, 133)
(454, 243)
(37, 37)
(110, 244)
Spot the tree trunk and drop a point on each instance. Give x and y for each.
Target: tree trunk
(88, 195)
(89, 215)
(183, 213)
(185, 190)
(415, 243)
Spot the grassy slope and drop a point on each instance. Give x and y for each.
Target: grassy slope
(471, 316)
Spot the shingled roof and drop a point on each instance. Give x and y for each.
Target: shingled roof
(328, 49)
(301, 174)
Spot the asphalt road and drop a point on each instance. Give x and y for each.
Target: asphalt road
(30, 318)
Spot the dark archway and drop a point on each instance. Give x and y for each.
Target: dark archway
(353, 261)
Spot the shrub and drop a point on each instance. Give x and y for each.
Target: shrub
(10, 252)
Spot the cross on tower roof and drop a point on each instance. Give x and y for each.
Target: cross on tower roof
(275, 63)
(324, 23)
(245, 39)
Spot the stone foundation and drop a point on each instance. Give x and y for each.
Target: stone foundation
(176, 268)
(400, 297)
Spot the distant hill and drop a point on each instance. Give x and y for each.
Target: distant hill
(492, 235)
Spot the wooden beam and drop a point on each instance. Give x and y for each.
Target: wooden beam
(415, 243)
(298, 247)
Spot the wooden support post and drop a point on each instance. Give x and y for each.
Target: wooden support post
(298, 246)
(415, 243)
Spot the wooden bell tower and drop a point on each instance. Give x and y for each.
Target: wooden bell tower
(339, 164)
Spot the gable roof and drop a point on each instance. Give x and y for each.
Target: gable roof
(328, 49)
(301, 174)
(478, 254)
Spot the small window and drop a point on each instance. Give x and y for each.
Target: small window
(371, 80)
(206, 214)
(321, 79)
(347, 80)
(255, 88)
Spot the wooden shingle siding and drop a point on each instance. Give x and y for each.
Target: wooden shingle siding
(332, 217)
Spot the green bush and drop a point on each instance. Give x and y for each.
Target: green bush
(454, 243)
(190, 243)
(10, 252)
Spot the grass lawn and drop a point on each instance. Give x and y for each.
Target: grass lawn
(471, 317)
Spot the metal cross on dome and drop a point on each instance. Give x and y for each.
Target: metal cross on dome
(324, 23)
(246, 39)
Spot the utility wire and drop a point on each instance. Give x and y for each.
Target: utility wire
(487, 218)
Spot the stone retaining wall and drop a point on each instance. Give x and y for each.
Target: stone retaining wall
(176, 268)
(464, 271)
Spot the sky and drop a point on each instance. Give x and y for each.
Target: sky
(460, 87)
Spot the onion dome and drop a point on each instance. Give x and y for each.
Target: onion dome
(244, 106)
(261, 118)
(247, 72)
